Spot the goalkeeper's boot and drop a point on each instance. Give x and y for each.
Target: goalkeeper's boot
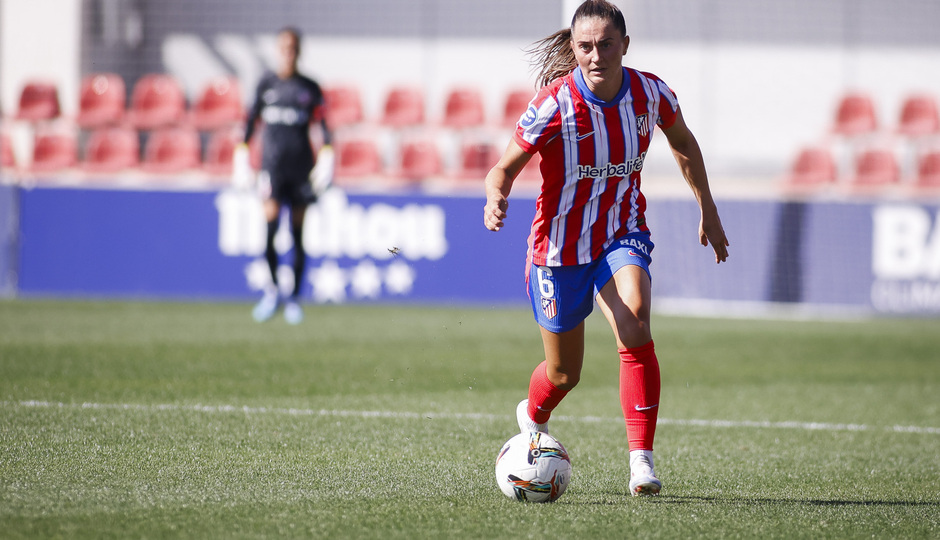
(526, 424)
(643, 479)
(293, 313)
(267, 307)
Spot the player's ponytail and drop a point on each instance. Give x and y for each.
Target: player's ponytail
(552, 57)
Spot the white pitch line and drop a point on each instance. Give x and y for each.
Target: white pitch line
(806, 426)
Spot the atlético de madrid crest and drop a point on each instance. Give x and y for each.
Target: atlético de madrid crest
(549, 308)
(642, 125)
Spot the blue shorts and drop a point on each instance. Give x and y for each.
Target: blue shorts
(563, 296)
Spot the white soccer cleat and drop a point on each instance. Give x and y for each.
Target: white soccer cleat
(643, 479)
(267, 307)
(293, 313)
(526, 424)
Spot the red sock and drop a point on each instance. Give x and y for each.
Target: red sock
(639, 394)
(543, 395)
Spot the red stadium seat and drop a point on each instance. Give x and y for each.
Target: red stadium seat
(928, 170)
(343, 106)
(855, 115)
(172, 150)
(219, 151)
(516, 103)
(420, 160)
(357, 158)
(403, 107)
(54, 152)
(7, 160)
(102, 99)
(157, 101)
(919, 116)
(476, 159)
(39, 100)
(876, 167)
(111, 150)
(219, 105)
(813, 166)
(464, 108)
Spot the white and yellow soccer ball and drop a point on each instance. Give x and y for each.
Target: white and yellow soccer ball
(533, 467)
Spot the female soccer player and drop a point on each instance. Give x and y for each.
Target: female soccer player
(591, 122)
(287, 103)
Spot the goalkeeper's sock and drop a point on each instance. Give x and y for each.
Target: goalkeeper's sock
(270, 253)
(639, 394)
(543, 395)
(300, 257)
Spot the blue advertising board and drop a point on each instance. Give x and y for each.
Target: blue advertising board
(863, 256)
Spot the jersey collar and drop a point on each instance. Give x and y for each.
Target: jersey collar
(589, 96)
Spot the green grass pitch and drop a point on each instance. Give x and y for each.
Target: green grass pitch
(187, 420)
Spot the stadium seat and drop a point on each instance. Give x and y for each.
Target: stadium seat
(928, 170)
(39, 100)
(855, 115)
(219, 105)
(476, 159)
(919, 116)
(403, 107)
(464, 108)
(7, 160)
(357, 158)
(54, 152)
(157, 101)
(813, 166)
(420, 159)
(219, 151)
(102, 99)
(172, 150)
(876, 167)
(111, 150)
(517, 101)
(343, 106)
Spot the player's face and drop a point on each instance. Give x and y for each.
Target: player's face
(599, 48)
(289, 50)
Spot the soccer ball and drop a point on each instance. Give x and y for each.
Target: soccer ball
(533, 467)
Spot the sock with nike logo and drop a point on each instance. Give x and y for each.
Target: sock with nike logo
(639, 394)
(543, 395)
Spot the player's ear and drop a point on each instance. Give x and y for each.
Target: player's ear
(626, 45)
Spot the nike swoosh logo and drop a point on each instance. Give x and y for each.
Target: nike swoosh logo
(585, 136)
(637, 407)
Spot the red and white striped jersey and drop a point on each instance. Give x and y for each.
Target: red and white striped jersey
(592, 154)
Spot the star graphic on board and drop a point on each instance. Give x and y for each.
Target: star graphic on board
(329, 282)
(257, 275)
(366, 280)
(399, 278)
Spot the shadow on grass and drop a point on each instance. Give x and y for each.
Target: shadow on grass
(685, 499)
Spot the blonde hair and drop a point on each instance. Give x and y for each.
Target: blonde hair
(552, 57)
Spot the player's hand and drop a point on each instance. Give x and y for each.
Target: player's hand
(243, 176)
(322, 174)
(494, 213)
(711, 231)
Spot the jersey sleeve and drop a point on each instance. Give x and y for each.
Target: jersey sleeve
(668, 103)
(254, 112)
(540, 123)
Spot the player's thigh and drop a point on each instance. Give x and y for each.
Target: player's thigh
(625, 302)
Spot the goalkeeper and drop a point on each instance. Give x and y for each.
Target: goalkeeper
(287, 103)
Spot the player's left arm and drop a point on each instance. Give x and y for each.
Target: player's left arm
(688, 155)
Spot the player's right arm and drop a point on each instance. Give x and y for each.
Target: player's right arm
(498, 184)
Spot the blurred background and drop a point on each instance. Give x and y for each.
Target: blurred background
(818, 121)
